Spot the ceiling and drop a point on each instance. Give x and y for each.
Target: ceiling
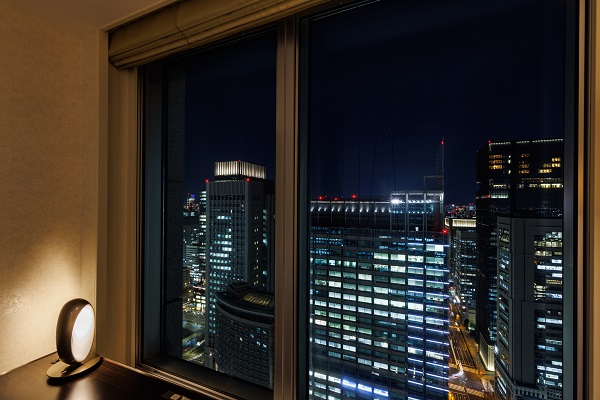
(82, 17)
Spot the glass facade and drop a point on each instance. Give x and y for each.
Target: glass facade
(529, 349)
(240, 219)
(463, 265)
(521, 178)
(379, 326)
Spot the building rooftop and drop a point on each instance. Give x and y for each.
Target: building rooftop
(248, 303)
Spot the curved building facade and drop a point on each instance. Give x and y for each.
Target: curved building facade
(244, 341)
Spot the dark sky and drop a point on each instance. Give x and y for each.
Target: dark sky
(386, 85)
(230, 109)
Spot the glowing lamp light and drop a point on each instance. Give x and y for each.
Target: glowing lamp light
(395, 201)
(75, 331)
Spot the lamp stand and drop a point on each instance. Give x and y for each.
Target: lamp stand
(61, 370)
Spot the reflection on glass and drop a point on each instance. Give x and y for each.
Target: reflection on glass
(436, 200)
(228, 210)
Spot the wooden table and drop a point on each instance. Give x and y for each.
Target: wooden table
(109, 380)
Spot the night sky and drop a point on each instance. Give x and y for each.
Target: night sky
(386, 85)
(230, 109)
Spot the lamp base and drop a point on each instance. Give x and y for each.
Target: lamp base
(61, 370)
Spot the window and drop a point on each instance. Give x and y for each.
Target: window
(216, 233)
(414, 113)
(403, 107)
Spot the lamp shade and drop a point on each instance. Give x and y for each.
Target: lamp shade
(75, 330)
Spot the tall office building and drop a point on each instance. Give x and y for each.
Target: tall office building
(194, 248)
(245, 324)
(458, 211)
(194, 237)
(521, 179)
(239, 231)
(463, 264)
(199, 280)
(379, 298)
(529, 362)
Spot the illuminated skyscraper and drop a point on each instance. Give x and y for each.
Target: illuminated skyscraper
(194, 248)
(239, 230)
(379, 289)
(529, 359)
(463, 264)
(517, 180)
(520, 179)
(194, 237)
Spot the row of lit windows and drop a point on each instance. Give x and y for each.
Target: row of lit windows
(412, 282)
(431, 270)
(551, 165)
(541, 186)
(348, 383)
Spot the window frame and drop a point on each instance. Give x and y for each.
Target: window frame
(289, 361)
(577, 154)
(160, 84)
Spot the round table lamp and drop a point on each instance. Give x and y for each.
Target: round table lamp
(75, 331)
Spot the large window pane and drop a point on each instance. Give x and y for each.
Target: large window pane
(216, 140)
(435, 241)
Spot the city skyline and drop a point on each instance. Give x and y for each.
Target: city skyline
(521, 179)
(488, 74)
(463, 198)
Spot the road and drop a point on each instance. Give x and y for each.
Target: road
(461, 349)
(193, 344)
(465, 382)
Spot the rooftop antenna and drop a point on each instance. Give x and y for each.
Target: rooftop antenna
(436, 182)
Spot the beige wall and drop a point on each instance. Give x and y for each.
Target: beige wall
(48, 179)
